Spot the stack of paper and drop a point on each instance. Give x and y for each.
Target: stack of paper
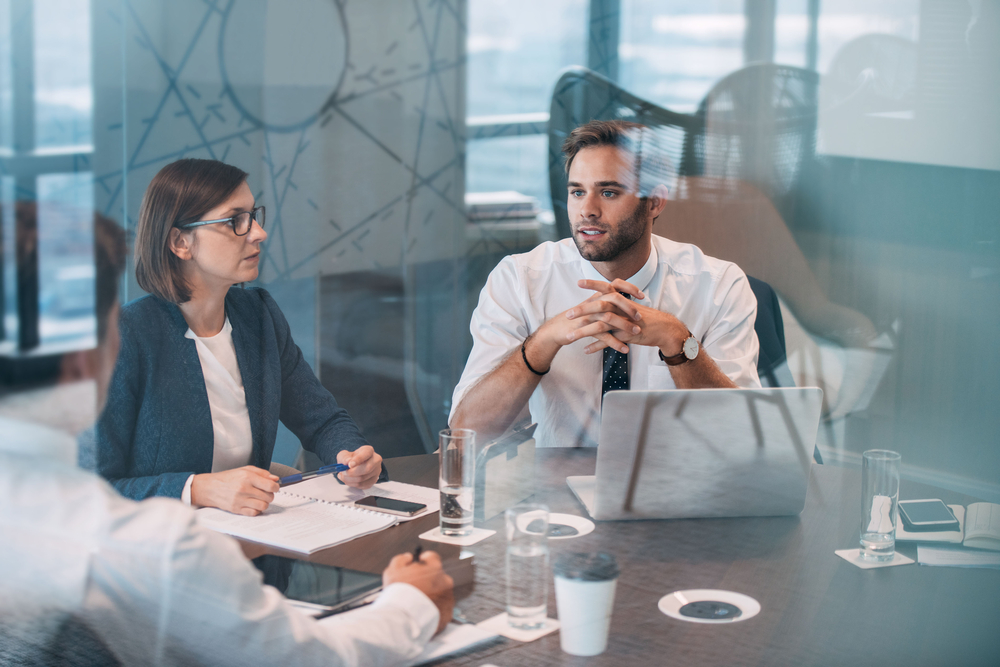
(957, 557)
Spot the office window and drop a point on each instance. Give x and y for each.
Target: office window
(6, 80)
(516, 50)
(63, 94)
(791, 33)
(515, 53)
(671, 53)
(66, 257)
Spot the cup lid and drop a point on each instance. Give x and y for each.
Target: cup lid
(598, 566)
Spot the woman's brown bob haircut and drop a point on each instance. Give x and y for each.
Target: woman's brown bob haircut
(181, 192)
(598, 133)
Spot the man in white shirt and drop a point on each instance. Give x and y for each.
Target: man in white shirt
(152, 586)
(663, 315)
(156, 588)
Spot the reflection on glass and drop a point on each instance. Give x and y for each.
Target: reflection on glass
(66, 257)
(63, 98)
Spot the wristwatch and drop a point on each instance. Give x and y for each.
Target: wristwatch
(689, 351)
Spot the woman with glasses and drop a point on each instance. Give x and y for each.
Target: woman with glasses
(208, 368)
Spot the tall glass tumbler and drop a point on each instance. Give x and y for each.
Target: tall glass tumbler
(457, 449)
(879, 497)
(527, 566)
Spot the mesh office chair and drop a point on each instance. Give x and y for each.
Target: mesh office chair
(758, 124)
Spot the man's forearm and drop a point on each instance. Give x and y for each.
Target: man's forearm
(701, 373)
(493, 403)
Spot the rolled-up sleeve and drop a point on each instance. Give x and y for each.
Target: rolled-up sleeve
(499, 324)
(730, 339)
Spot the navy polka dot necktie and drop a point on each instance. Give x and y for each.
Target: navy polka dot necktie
(615, 368)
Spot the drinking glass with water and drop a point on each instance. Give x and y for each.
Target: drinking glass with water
(527, 566)
(456, 480)
(879, 498)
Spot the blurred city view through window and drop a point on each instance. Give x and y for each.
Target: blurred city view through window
(62, 118)
(671, 53)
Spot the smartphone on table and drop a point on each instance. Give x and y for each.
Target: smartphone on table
(922, 516)
(390, 505)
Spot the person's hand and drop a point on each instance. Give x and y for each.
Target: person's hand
(601, 313)
(247, 490)
(657, 328)
(429, 577)
(365, 464)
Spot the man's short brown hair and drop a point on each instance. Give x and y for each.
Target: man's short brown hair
(599, 133)
(181, 192)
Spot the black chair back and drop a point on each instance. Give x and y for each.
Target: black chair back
(770, 330)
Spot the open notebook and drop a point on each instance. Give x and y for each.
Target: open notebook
(317, 514)
(298, 524)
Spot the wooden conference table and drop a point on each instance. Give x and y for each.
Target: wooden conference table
(817, 609)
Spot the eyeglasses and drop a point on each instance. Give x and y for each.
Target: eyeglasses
(241, 222)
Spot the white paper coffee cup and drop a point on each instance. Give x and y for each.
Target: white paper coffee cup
(585, 596)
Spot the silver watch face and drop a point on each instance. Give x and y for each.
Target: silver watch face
(691, 347)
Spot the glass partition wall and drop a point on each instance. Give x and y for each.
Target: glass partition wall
(402, 149)
(349, 119)
(857, 145)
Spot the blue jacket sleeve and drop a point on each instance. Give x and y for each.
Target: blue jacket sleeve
(307, 408)
(118, 423)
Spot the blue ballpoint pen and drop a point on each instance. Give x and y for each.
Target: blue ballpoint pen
(302, 476)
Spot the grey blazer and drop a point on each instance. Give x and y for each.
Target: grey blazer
(156, 428)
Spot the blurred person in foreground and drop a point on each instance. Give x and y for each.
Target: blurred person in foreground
(90, 578)
(207, 368)
(664, 315)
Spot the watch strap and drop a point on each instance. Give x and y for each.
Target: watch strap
(677, 359)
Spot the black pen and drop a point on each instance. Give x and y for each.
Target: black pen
(416, 553)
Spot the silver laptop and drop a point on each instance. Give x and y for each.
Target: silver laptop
(684, 454)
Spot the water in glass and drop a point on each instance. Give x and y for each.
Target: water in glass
(527, 585)
(456, 510)
(878, 546)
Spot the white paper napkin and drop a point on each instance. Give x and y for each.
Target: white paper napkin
(853, 556)
(499, 625)
(477, 535)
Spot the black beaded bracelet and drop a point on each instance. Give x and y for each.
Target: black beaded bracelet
(524, 355)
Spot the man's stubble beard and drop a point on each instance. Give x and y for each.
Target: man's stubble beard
(628, 232)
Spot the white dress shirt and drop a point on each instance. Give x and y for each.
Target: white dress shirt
(710, 296)
(154, 586)
(233, 443)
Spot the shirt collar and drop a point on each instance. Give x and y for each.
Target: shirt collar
(642, 278)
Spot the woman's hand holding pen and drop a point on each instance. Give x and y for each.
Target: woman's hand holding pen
(365, 465)
(247, 490)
